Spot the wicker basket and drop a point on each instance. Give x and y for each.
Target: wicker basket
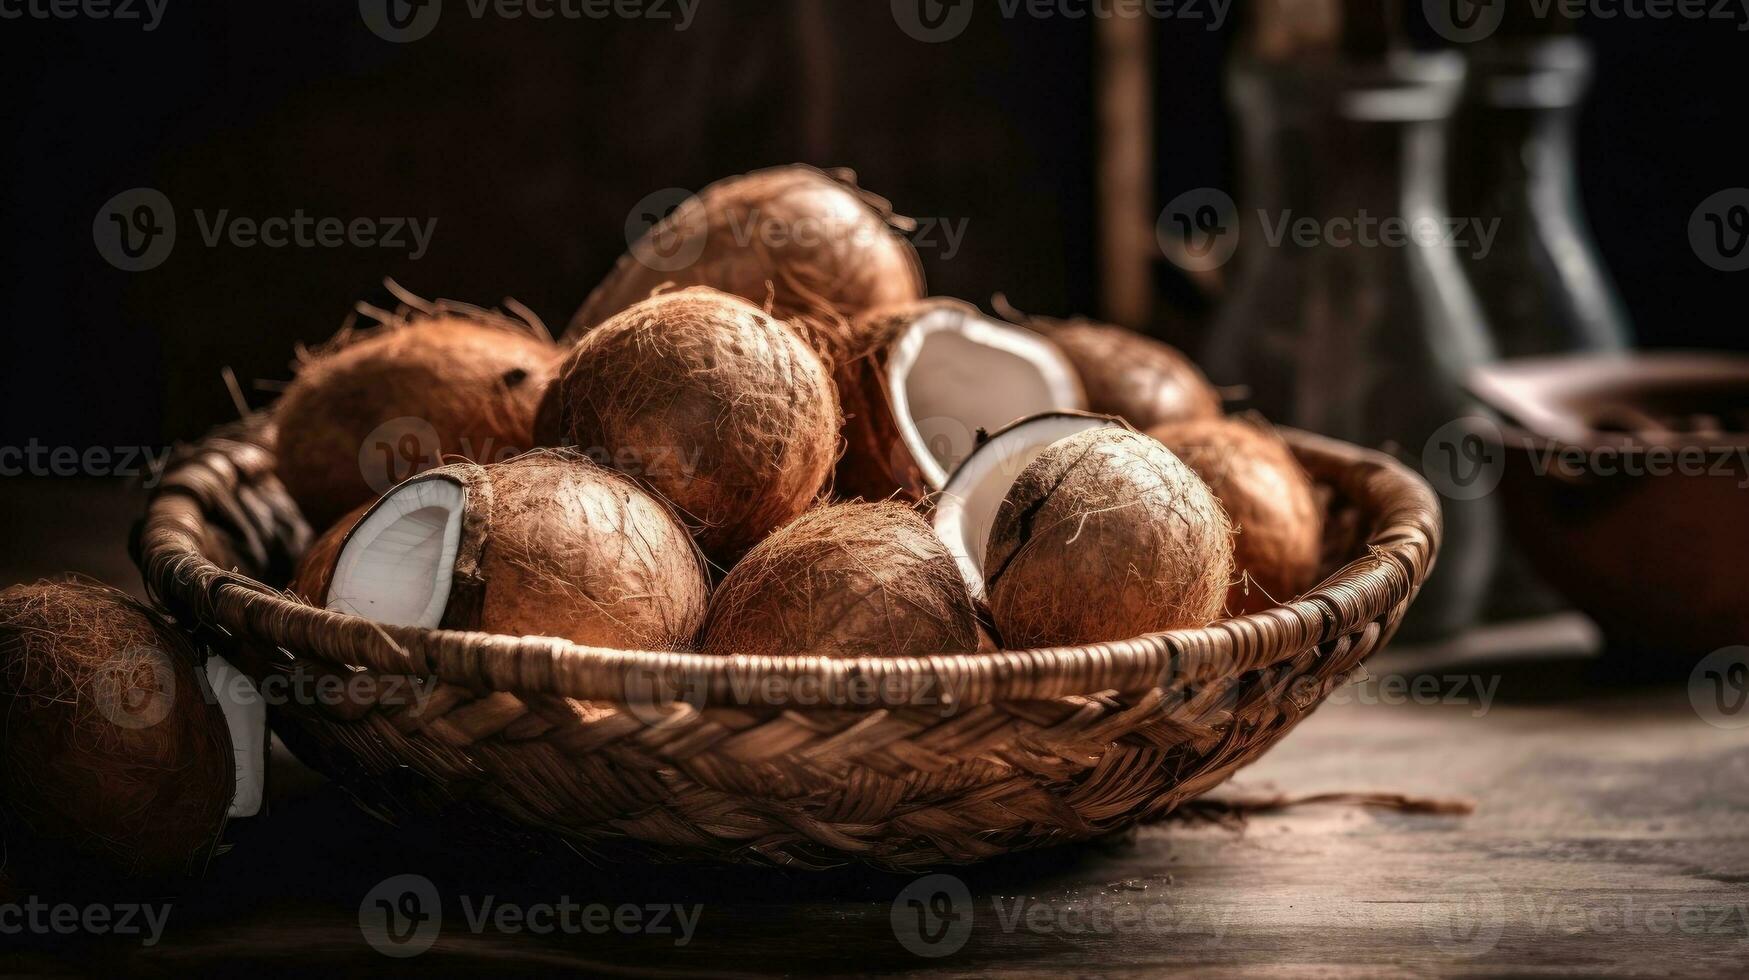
(800, 761)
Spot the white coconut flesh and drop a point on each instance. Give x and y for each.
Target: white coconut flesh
(967, 507)
(953, 373)
(399, 563)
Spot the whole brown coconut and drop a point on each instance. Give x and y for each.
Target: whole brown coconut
(808, 241)
(1266, 492)
(547, 544)
(377, 406)
(850, 580)
(1106, 536)
(1136, 378)
(109, 749)
(315, 569)
(720, 408)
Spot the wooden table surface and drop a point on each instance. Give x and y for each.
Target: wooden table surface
(1611, 837)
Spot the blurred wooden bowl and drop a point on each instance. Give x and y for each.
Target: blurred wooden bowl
(1625, 478)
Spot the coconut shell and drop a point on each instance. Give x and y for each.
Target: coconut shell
(580, 551)
(1267, 494)
(850, 580)
(383, 404)
(316, 567)
(876, 464)
(109, 748)
(721, 409)
(1136, 378)
(1106, 536)
(806, 241)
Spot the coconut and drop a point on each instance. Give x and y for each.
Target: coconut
(1104, 536)
(850, 580)
(315, 569)
(1136, 378)
(966, 508)
(547, 544)
(376, 406)
(806, 241)
(933, 375)
(720, 408)
(110, 750)
(1267, 494)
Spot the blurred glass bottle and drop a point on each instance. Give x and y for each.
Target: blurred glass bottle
(1363, 326)
(1541, 283)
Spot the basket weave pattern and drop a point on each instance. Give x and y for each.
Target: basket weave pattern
(799, 761)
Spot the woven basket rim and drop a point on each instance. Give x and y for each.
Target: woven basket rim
(1403, 539)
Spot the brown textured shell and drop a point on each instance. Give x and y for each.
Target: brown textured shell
(579, 551)
(1106, 536)
(1136, 378)
(720, 408)
(849, 580)
(809, 241)
(876, 463)
(315, 569)
(474, 379)
(108, 746)
(1266, 492)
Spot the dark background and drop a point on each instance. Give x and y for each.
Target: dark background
(529, 141)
